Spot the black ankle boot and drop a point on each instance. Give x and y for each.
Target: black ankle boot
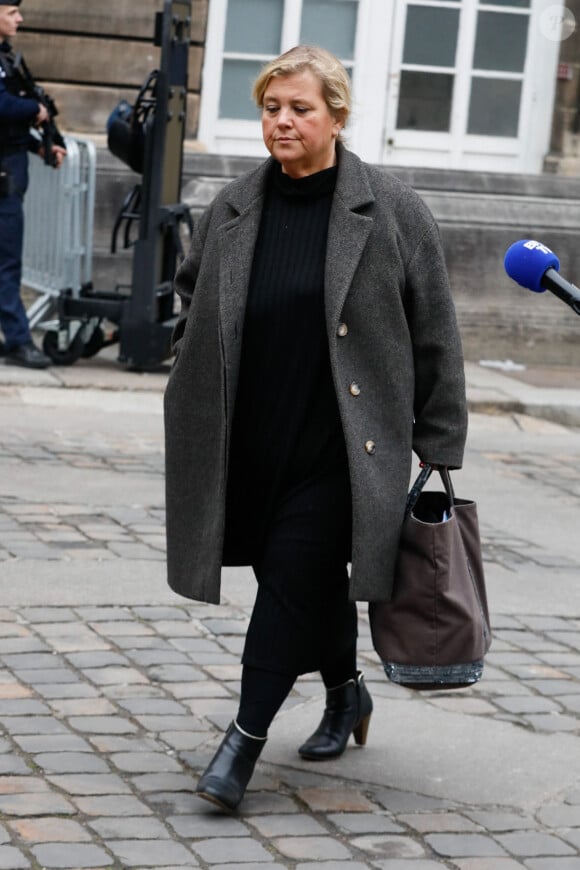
(230, 770)
(348, 711)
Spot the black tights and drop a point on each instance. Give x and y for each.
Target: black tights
(264, 692)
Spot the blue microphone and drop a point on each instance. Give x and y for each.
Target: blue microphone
(534, 266)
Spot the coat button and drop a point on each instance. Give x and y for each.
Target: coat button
(370, 447)
(354, 389)
(342, 330)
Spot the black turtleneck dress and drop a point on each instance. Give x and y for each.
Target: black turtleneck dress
(288, 503)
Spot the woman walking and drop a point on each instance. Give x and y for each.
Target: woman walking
(317, 347)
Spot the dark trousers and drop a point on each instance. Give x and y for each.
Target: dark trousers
(13, 319)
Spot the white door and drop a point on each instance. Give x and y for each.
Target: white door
(460, 84)
(471, 85)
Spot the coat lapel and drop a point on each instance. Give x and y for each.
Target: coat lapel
(348, 232)
(237, 240)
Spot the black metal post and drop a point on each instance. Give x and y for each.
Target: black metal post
(148, 319)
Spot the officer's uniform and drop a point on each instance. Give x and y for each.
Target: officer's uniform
(17, 115)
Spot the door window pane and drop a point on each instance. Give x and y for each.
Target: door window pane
(236, 97)
(254, 26)
(494, 107)
(521, 4)
(501, 41)
(332, 24)
(431, 36)
(425, 101)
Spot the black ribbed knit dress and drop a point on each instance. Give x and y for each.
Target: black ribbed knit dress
(288, 502)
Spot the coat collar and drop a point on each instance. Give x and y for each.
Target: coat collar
(248, 190)
(352, 184)
(348, 233)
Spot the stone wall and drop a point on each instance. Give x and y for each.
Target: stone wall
(479, 215)
(90, 55)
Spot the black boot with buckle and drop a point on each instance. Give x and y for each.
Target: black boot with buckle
(348, 711)
(225, 781)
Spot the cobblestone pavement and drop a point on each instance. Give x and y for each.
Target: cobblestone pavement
(47, 530)
(109, 713)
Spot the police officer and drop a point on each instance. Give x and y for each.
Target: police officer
(17, 115)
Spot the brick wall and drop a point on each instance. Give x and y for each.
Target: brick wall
(90, 55)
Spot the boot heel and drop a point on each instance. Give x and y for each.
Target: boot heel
(361, 731)
(348, 711)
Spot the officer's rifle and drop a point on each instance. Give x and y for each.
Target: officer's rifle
(51, 135)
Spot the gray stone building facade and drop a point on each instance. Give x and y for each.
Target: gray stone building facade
(91, 55)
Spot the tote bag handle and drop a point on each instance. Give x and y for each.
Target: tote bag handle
(420, 482)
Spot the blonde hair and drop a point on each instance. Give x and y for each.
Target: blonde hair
(326, 67)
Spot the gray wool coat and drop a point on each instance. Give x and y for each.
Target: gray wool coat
(392, 332)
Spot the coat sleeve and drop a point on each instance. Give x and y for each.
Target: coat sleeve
(440, 407)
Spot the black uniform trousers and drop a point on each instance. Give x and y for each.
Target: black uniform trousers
(13, 319)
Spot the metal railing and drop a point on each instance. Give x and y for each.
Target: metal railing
(58, 227)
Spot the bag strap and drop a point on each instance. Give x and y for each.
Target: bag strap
(446, 480)
(415, 490)
(420, 482)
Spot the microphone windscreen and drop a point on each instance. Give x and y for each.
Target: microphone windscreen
(527, 261)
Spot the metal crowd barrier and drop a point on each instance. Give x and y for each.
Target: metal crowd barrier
(58, 227)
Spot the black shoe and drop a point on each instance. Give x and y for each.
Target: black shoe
(26, 355)
(225, 781)
(348, 711)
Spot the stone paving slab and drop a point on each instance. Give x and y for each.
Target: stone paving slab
(117, 790)
(114, 692)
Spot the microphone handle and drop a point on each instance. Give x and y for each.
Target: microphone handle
(568, 293)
